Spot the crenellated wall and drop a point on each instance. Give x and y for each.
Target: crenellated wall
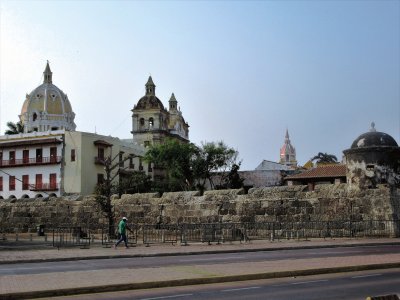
(296, 203)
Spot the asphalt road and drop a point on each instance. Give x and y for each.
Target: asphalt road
(186, 260)
(354, 286)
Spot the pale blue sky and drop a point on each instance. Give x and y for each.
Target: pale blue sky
(241, 71)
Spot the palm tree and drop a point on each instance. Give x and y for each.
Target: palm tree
(14, 128)
(324, 158)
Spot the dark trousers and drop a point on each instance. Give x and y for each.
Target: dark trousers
(122, 238)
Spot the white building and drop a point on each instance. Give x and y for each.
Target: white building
(52, 159)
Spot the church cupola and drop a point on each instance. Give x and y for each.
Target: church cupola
(47, 74)
(150, 87)
(288, 152)
(173, 104)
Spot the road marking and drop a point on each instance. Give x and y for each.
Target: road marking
(307, 282)
(168, 297)
(241, 289)
(206, 259)
(370, 275)
(333, 252)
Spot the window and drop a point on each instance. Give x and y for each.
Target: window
(39, 155)
(72, 154)
(149, 168)
(25, 156)
(53, 181)
(34, 117)
(53, 154)
(25, 182)
(38, 183)
(151, 123)
(1, 183)
(12, 183)
(100, 179)
(141, 122)
(54, 128)
(146, 143)
(131, 164)
(12, 157)
(100, 153)
(1, 158)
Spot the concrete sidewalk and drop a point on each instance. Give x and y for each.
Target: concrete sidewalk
(52, 284)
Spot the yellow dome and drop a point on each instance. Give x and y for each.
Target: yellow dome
(47, 107)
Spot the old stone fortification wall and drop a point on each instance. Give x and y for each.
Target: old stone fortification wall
(296, 203)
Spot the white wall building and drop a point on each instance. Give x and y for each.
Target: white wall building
(52, 159)
(55, 163)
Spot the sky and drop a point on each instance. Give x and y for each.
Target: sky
(242, 71)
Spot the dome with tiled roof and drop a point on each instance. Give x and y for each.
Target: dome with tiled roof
(47, 107)
(374, 138)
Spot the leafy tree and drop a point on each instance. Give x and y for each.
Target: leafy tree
(14, 128)
(212, 158)
(324, 158)
(175, 159)
(137, 182)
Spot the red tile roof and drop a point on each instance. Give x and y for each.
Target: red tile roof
(327, 171)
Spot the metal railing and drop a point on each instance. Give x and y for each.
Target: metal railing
(30, 161)
(152, 234)
(71, 237)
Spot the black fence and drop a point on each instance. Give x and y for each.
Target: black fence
(152, 234)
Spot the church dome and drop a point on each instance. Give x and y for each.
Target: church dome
(373, 138)
(149, 101)
(47, 107)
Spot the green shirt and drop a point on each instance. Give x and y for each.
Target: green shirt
(122, 227)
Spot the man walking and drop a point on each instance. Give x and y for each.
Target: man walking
(122, 227)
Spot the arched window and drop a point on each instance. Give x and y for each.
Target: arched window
(34, 117)
(141, 122)
(151, 123)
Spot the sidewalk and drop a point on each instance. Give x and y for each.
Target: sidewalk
(51, 284)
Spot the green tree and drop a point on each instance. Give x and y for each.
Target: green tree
(214, 158)
(175, 159)
(136, 182)
(324, 158)
(14, 128)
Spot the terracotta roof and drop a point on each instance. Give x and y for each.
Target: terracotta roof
(327, 171)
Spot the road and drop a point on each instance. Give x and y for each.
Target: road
(187, 260)
(354, 285)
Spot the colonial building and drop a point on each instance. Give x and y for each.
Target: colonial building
(152, 123)
(288, 153)
(51, 158)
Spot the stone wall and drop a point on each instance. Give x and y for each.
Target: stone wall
(296, 203)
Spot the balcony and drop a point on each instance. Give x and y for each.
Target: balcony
(44, 187)
(30, 161)
(99, 160)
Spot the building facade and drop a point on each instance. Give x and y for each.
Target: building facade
(152, 123)
(52, 159)
(57, 163)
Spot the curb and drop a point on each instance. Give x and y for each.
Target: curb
(193, 281)
(194, 253)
